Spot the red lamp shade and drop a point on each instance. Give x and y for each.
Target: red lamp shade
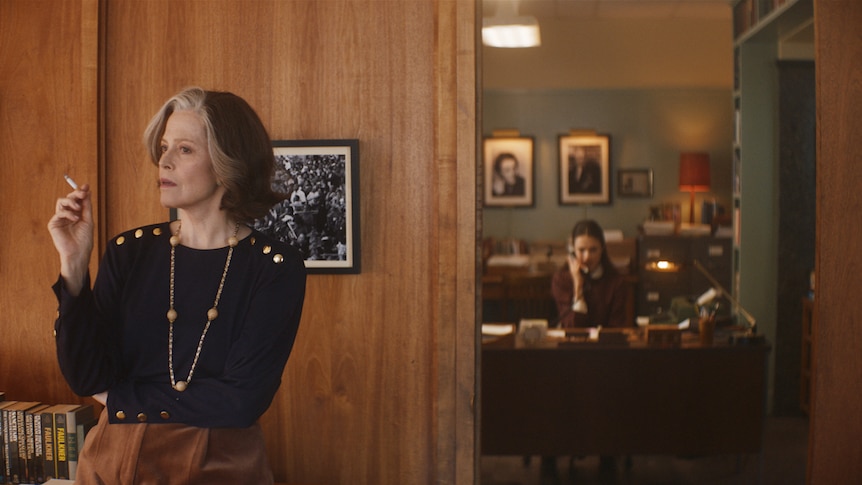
(693, 176)
(694, 172)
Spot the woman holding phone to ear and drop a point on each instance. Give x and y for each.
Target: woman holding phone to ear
(589, 291)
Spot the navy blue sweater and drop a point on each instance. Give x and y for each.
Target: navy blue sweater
(115, 336)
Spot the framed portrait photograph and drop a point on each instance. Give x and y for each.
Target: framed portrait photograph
(509, 171)
(585, 168)
(320, 216)
(634, 182)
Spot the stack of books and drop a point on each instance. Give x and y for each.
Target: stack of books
(40, 442)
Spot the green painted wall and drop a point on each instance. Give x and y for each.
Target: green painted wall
(648, 129)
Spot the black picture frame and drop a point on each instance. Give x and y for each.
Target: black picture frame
(591, 184)
(320, 216)
(635, 182)
(497, 152)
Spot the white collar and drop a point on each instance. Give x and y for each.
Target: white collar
(598, 272)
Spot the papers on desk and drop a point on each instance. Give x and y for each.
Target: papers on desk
(659, 228)
(497, 332)
(497, 329)
(724, 231)
(597, 336)
(690, 229)
(644, 321)
(509, 260)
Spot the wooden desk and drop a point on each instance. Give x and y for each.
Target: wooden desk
(500, 305)
(588, 399)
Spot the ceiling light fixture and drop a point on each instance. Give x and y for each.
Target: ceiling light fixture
(508, 29)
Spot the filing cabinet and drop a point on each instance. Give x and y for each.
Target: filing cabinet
(657, 286)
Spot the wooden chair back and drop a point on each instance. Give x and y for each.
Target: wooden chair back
(528, 295)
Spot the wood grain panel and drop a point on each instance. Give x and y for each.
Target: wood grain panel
(456, 457)
(836, 424)
(48, 126)
(379, 386)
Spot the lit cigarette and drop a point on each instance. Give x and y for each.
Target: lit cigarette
(70, 181)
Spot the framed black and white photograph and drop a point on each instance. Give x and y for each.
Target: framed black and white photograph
(585, 168)
(509, 171)
(634, 182)
(320, 216)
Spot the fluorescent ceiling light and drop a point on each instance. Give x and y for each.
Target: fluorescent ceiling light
(513, 32)
(507, 29)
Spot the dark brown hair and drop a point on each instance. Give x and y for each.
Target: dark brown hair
(498, 161)
(238, 144)
(591, 228)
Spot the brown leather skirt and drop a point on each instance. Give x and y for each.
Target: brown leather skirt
(172, 454)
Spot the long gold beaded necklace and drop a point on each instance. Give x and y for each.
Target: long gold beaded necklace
(212, 313)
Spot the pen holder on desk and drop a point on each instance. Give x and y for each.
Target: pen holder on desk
(706, 329)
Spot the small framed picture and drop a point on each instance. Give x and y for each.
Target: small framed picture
(509, 171)
(585, 167)
(636, 182)
(320, 216)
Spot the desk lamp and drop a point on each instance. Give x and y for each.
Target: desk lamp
(693, 176)
(750, 336)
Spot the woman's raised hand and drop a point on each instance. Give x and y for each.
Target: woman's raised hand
(71, 229)
(576, 269)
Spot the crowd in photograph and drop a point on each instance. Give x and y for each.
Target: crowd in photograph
(313, 217)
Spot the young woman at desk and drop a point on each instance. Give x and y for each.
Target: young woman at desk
(589, 291)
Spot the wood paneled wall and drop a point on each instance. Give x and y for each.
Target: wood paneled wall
(381, 381)
(48, 126)
(835, 451)
(379, 387)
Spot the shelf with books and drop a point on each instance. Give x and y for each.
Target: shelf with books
(39, 442)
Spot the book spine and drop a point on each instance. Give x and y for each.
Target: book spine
(72, 443)
(76, 421)
(21, 423)
(81, 435)
(4, 439)
(35, 448)
(29, 449)
(61, 463)
(48, 438)
(12, 446)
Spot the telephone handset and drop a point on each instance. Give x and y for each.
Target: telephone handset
(572, 255)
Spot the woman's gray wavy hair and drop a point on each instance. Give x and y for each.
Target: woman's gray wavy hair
(239, 147)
